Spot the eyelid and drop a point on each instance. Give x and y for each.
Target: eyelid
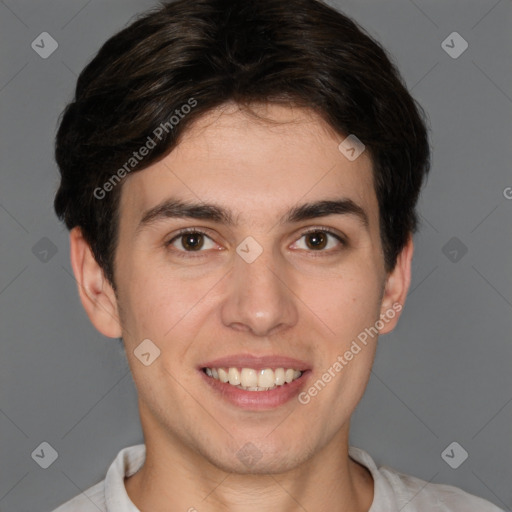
(205, 232)
(186, 231)
(329, 231)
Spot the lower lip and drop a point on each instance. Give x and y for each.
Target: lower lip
(257, 400)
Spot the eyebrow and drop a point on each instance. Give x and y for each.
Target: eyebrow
(175, 208)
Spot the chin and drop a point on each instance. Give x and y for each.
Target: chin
(263, 456)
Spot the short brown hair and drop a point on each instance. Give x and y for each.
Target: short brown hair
(298, 52)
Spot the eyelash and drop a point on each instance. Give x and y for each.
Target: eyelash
(198, 231)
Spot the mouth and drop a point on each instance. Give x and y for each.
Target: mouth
(250, 379)
(255, 383)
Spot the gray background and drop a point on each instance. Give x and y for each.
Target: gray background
(443, 375)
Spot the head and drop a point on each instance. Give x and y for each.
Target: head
(227, 116)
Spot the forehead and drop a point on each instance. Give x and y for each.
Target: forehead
(258, 166)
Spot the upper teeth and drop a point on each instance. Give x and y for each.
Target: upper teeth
(254, 380)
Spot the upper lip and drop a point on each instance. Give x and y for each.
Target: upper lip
(256, 362)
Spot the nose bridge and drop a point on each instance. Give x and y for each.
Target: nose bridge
(259, 299)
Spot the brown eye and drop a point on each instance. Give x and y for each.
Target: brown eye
(321, 241)
(316, 240)
(192, 241)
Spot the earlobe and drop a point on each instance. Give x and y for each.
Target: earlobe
(96, 293)
(396, 288)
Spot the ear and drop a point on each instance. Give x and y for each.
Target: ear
(396, 288)
(96, 293)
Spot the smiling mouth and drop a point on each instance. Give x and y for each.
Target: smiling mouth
(250, 379)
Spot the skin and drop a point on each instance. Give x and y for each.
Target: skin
(293, 300)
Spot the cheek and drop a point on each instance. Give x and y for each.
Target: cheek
(162, 309)
(346, 303)
(351, 309)
(161, 305)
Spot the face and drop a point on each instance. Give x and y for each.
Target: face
(252, 254)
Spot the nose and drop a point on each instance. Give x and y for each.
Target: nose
(259, 298)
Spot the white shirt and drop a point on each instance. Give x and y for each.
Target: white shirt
(393, 491)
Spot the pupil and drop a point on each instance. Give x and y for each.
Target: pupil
(316, 240)
(193, 241)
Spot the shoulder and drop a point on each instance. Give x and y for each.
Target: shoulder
(394, 490)
(415, 495)
(91, 500)
(110, 495)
